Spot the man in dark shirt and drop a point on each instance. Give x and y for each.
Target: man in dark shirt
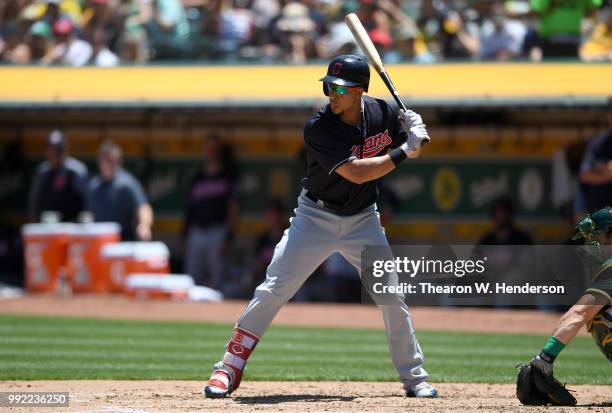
(59, 183)
(212, 212)
(116, 196)
(504, 231)
(346, 147)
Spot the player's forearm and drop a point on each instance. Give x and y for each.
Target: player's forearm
(364, 170)
(568, 327)
(576, 317)
(570, 324)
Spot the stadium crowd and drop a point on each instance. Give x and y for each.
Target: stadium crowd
(113, 32)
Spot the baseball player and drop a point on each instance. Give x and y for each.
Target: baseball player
(350, 143)
(536, 384)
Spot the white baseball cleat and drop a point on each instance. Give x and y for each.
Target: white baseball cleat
(221, 382)
(422, 390)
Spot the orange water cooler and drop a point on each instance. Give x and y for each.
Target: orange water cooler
(85, 264)
(123, 258)
(46, 248)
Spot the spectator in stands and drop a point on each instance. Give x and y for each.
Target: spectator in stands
(211, 215)
(140, 30)
(38, 40)
(59, 183)
(458, 35)
(168, 30)
(132, 43)
(380, 32)
(264, 45)
(598, 46)
(210, 11)
(317, 13)
(234, 29)
(410, 45)
(10, 10)
(98, 18)
(559, 31)
(68, 50)
(297, 35)
(115, 195)
(596, 168)
(132, 48)
(56, 10)
(501, 38)
(339, 41)
(12, 48)
(504, 231)
(276, 223)
(101, 54)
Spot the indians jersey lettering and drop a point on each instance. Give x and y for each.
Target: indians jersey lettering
(372, 145)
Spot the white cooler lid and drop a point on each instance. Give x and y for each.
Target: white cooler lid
(155, 249)
(160, 282)
(97, 228)
(136, 250)
(118, 250)
(201, 293)
(56, 228)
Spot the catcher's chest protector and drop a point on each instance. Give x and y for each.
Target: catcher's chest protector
(600, 328)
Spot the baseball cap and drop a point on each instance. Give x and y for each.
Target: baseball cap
(295, 18)
(63, 26)
(57, 139)
(41, 28)
(381, 37)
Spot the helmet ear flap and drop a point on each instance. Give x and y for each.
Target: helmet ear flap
(325, 89)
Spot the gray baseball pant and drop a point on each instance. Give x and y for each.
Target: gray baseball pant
(315, 233)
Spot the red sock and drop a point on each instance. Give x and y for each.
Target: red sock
(237, 352)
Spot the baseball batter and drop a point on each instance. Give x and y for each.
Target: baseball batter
(350, 143)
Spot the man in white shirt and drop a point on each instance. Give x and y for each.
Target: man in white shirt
(68, 49)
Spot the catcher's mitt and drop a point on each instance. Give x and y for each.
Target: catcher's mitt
(535, 388)
(526, 391)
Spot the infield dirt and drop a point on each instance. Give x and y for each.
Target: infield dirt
(185, 396)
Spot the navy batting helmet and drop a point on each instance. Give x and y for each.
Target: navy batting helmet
(347, 70)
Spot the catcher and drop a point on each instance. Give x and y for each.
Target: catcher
(536, 384)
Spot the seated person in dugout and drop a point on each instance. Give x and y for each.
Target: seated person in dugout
(536, 384)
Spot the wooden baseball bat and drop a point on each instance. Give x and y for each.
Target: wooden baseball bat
(364, 41)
